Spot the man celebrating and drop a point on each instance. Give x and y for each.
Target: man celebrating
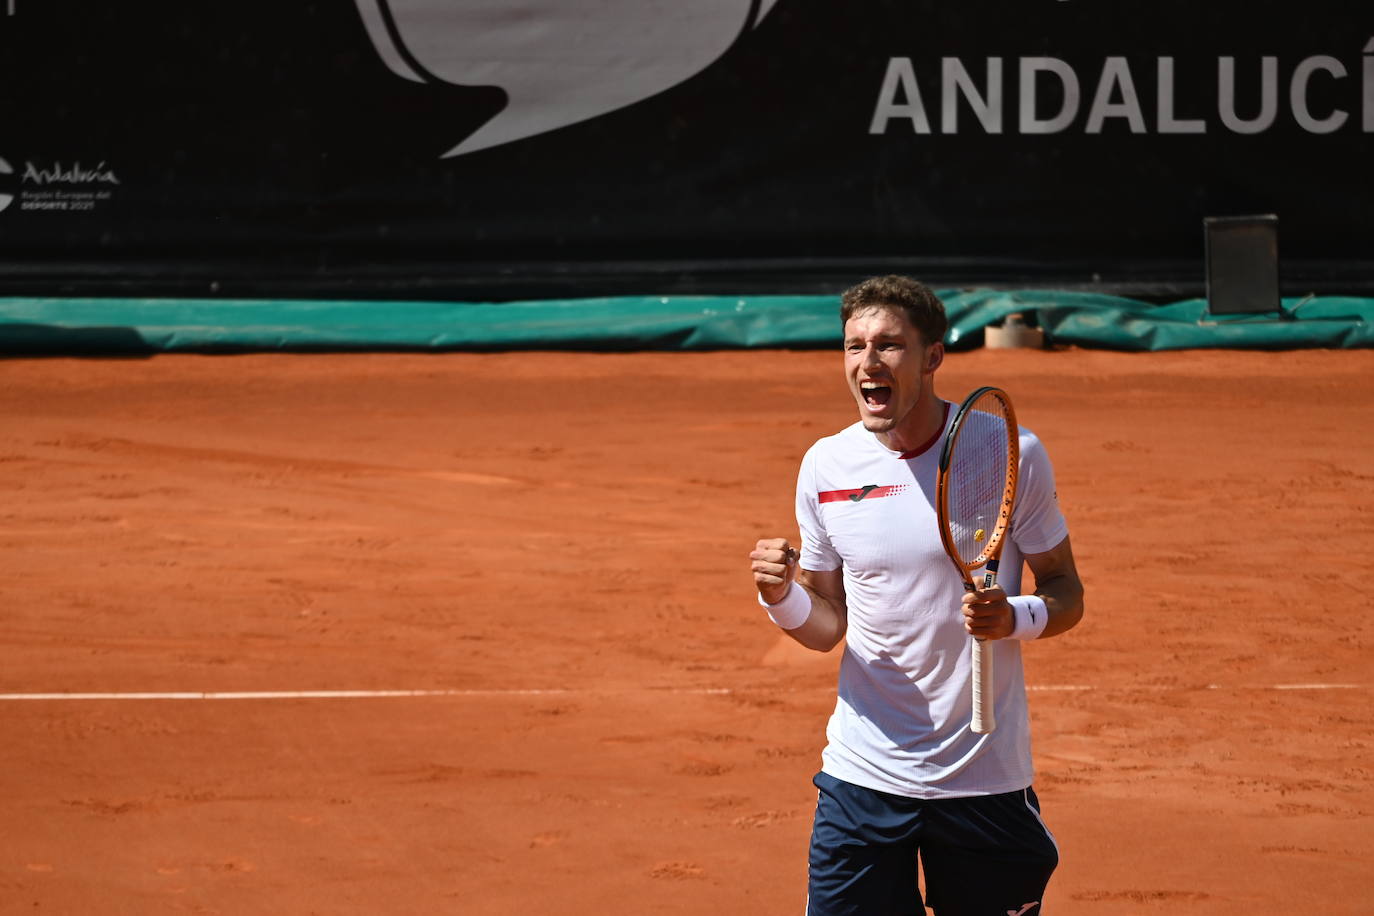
(902, 773)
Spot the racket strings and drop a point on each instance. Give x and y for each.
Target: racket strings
(979, 479)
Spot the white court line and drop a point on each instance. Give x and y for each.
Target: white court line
(1160, 688)
(1318, 686)
(568, 691)
(345, 694)
(282, 694)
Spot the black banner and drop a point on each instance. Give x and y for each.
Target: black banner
(501, 148)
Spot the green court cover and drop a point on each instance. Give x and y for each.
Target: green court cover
(38, 326)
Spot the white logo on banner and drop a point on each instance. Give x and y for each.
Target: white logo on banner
(559, 61)
(57, 187)
(985, 96)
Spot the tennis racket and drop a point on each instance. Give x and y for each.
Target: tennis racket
(974, 497)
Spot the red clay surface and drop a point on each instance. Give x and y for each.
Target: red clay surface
(565, 538)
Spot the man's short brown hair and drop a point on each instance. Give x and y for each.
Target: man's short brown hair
(922, 307)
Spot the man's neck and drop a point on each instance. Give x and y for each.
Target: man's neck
(919, 429)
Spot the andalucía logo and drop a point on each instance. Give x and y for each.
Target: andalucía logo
(73, 174)
(6, 198)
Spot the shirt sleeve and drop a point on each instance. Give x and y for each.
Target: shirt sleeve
(817, 552)
(1036, 523)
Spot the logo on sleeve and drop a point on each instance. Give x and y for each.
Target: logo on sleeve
(869, 491)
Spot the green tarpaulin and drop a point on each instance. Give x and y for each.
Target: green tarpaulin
(122, 326)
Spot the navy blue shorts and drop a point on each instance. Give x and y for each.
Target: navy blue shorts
(982, 856)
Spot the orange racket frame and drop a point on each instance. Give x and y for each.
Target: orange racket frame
(984, 719)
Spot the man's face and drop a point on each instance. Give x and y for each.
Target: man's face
(887, 365)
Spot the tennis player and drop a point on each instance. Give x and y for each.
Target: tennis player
(902, 775)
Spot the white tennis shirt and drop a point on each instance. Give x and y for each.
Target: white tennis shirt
(901, 720)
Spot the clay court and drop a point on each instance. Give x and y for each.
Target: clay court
(552, 549)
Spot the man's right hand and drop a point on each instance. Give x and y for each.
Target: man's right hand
(775, 566)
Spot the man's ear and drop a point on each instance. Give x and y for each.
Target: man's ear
(935, 355)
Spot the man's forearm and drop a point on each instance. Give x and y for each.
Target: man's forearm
(1063, 597)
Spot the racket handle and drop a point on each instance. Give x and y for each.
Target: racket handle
(984, 720)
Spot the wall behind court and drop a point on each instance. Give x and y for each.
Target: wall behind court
(475, 148)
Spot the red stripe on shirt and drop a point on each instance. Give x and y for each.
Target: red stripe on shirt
(860, 494)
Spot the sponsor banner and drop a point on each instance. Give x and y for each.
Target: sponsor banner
(415, 147)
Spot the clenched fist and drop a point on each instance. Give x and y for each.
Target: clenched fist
(774, 562)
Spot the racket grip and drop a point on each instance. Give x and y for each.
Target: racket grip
(984, 720)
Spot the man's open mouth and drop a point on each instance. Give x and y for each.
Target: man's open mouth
(875, 396)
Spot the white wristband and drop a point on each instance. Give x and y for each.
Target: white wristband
(1031, 616)
(793, 610)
